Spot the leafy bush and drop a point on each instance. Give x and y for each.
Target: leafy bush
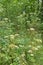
(20, 32)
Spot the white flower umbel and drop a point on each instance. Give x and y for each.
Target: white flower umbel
(5, 18)
(13, 46)
(16, 46)
(36, 48)
(6, 37)
(32, 54)
(30, 51)
(38, 40)
(16, 35)
(23, 55)
(32, 29)
(12, 36)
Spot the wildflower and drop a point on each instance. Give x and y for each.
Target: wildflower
(23, 55)
(21, 45)
(7, 50)
(33, 42)
(12, 36)
(6, 37)
(16, 47)
(16, 35)
(22, 3)
(28, 21)
(23, 63)
(31, 13)
(39, 40)
(32, 54)
(38, 46)
(30, 51)
(3, 48)
(13, 46)
(5, 18)
(11, 64)
(21, 15)
(32, 29)
(30, 46)
(34, 48)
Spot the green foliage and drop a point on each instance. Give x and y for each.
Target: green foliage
(20, 32)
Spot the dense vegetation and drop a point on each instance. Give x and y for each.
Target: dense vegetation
(21, 32)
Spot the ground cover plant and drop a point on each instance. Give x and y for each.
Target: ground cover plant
(21, 32)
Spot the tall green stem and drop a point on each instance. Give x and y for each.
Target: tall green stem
(42, 20)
